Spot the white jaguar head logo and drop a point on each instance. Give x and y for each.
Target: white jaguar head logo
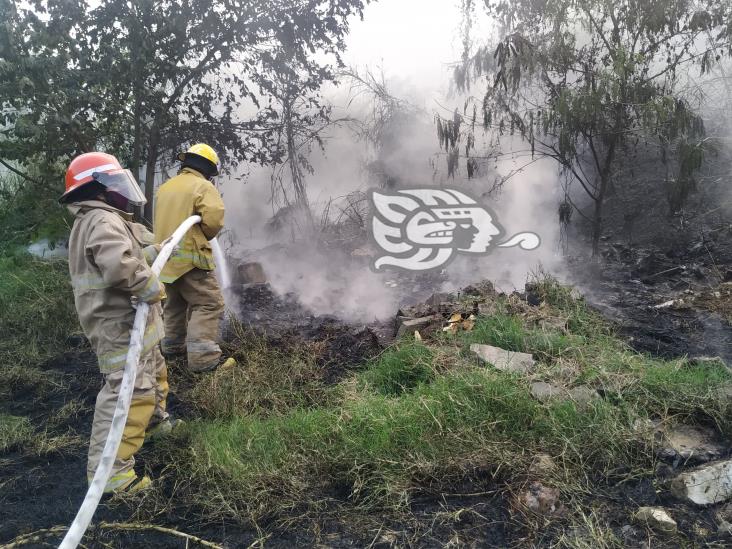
(422, 229)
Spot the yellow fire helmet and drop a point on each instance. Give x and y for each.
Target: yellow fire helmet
(204, 151)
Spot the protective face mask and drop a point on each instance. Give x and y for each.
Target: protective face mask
(118, 201)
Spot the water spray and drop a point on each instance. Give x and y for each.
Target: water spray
(221, 265)
(114, 437)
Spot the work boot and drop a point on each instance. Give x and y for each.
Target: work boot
(222, 363)
(173, 349)
(163, 428)
(126, 483)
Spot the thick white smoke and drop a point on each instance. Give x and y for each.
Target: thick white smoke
(416, 65)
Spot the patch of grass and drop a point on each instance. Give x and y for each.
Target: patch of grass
(70, 411)
(421, 417)
(38, 309)
(15, 432)
(685, 390)
(500, 330)
(581, 320)
(510, 332)
(267, 380)
(27, 379)
(590, 531)
(400, 368)
(374, 444)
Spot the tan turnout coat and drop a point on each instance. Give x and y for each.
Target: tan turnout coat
(108, 266)
(182, 196)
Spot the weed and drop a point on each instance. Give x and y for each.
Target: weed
(266, 380)
(14, 432)
(422, 417)
(22, 380)
(400, 368)
(17, 433)
(38, 310)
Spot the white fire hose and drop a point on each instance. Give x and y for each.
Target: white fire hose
(109, 454)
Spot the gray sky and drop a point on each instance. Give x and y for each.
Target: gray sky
(412, 40)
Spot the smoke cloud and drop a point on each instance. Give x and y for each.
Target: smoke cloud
(329, 280)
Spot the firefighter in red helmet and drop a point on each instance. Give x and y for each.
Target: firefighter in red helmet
(109, 267)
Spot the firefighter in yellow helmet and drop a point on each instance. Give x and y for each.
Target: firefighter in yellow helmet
(194, 307)
(108, 264)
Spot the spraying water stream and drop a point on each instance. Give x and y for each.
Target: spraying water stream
(222, 268)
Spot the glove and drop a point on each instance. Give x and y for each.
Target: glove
(166, 241)
(135, 301)
(151, 253)
(158, 298)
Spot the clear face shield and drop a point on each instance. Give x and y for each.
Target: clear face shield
(123, 183)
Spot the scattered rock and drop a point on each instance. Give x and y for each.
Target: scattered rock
(663, 470)
(691, 444)
(502, 359)
(545, 392)
(409, 326)
(657, 519)
(542, 465)
(483, 288)
(250, 272)
(705, 485)
(582, 394)
(435, 299)
(542, 500)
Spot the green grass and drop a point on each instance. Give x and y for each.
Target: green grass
(266, 381)
(274, 440)
(18, 433)
(14, 432)
(37, 307)
(424, 415)
(401, 369)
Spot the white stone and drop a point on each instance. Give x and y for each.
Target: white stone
(408, 327)
(544, 392)
(502, 359)
(711, 483)
(582, 394)
(656, 518)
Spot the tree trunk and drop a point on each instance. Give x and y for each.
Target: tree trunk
(597, 227)
(152, 161)
(137, 93)
(298, 182)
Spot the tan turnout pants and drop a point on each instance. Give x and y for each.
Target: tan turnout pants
(147, 407)
(193, 312)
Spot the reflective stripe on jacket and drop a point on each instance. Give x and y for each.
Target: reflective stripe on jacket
(108, 267)
(182, 196)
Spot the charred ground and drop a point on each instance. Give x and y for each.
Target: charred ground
(336, 434)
